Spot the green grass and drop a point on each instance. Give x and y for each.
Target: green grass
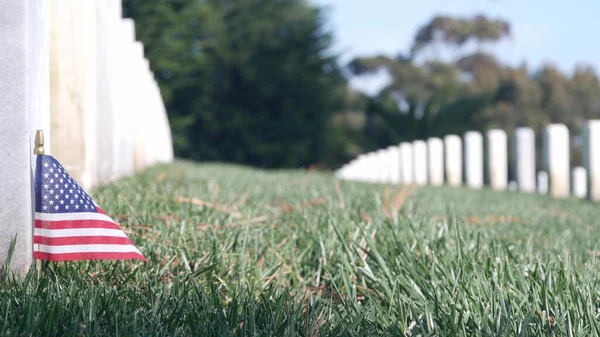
(288, 253)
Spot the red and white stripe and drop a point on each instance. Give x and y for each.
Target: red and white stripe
(81, 236)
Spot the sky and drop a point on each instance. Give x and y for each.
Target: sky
(559, 32)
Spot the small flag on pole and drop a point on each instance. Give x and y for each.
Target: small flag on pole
(69, 225)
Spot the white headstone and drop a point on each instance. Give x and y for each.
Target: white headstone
(364, 167)
(377, 167)
(24, 96)
(435, 161)
(525, 159)
(358, 170)
(420, 162)
(346, 171)
(154, 132)
(406, 164)
(143, 138)
(556, 159)
(542, 182)
(579, 182)
(591, 158)
(453, 160)
(394, 162)
(137, 141)
(372, 168)
(383, 166)
(73, 87)
(339, 173)
(165, 141)
(110, 87)
(127, 121)
(497, 159)
(474, 159)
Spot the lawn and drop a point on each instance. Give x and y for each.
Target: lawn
(234, 251)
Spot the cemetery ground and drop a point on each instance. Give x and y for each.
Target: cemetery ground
(244, 252)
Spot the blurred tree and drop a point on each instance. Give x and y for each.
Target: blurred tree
(252, 82)
(456, 32)
(475, 91)
(244, 81)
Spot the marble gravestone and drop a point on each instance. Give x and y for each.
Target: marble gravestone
(394, 164)
(354, 169)
(375, 167)
(542, 182)
(474, 159)
(130, 119)
(73, 108)
(497, 159)
(420, 162)
(165, 146)
(344, 172)
(24, 84)
(153, 129)
(525, 159)
(383, 166)
(140, 134)
(376, 163)
(591, 158)
(358, 169)
(365, 170)
(406, 163)
(159, 130)
(579, 182)
(109, 87)
(453, 160)
(435, 161)
(371, 165)
(556, 159)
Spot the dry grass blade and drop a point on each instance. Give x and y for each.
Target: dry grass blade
(399, 200)
(160, 177)
(215, 192)
(261, 218)
(558, 213)
(386, 203)
(314, 332)
(211, 205)
(366, 217)
(240, 202)
(338, 191)
(364, 253)
(491, 219)
(255, 220)
(283, 242)
(314, 202)
(488, 219)
(318, 324)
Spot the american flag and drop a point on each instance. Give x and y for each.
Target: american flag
(69, 225)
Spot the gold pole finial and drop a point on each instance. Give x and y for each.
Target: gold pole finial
(39, 143)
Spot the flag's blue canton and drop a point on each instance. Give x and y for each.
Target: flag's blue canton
(57, 191)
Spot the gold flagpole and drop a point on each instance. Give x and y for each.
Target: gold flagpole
(38, 150)
(39, 143)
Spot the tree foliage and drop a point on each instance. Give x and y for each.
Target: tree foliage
(252, 82)
(458, 31)
(475, 91)
(244, 81)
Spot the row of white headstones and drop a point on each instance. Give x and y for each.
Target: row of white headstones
(73, 69)
(438, 161)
